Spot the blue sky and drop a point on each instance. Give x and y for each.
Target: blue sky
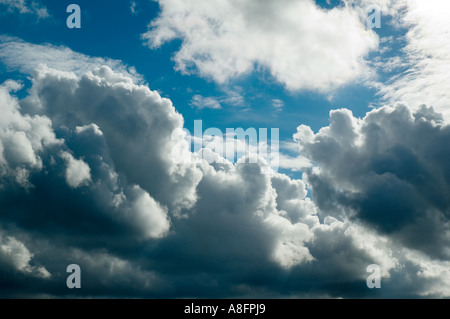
(89, 173)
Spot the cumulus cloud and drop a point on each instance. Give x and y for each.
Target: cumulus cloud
(33, 156)
(78, 172)
(232, 97)
(24, 56)
(112, 137)
(89, 174)
(14, 254)
(301, 45)
(22, 137)
(388, 170)
(150, 217)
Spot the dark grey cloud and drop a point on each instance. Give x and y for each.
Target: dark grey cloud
(389, 170)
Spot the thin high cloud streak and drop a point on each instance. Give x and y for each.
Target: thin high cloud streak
(33, 7)
(426, 57)
(88, 176)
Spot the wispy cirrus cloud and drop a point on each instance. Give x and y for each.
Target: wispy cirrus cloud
(25, 7)
(422, 66)
(201, 102)
(24, 56)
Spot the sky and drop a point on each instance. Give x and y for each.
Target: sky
(102, 166)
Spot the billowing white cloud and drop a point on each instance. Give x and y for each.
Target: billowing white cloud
(300, 44)
(298, 163)
(201, 102)
(78, 172)
(149, 217)
(109, 145)
(277, 104)
(22, 137)
(432, 275)
(388, 170)
(29, 146)
(290, 247)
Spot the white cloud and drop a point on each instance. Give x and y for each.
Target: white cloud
(86, 128)
(201, 102)
(150, 217)
(233, 97)
(15, 253)
(78, 172)
(222, 221)
(18, 253)
(426, 57)
(133, 5)
(277, 104)
(432, 275)
(386, 170)
(22, 137)
(290, 247)
(29, 146)
(290, 157)
(26, 6)
(296, 164)
(301, 45)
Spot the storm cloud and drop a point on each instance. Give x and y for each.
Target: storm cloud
(389, 170)
(89, 175)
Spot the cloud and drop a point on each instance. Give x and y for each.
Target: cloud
(133, 5)
(149, 215)
(25, 6)
(423, 63)
(224, 40)
(140, 222)
(24, 56)
(136, 192)
(34, 158)
(387, 170)
(298, 163)
(232, 97)
(14, 255)
(201, 102)
(22, 138)
(277, 104)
